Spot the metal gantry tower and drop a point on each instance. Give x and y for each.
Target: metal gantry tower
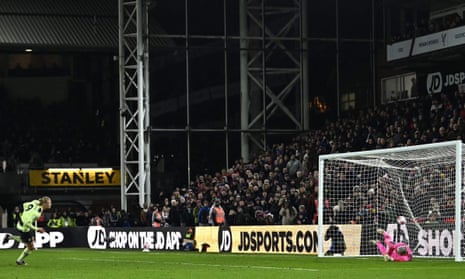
(134, 101)
(274, 46)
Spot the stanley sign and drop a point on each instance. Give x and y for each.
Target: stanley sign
(91, 177)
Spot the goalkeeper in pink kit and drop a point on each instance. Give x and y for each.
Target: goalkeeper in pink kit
(397, 252)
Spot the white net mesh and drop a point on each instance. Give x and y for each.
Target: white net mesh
(373, 188)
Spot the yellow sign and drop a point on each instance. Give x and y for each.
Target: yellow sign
(74, 177)
(296, 239)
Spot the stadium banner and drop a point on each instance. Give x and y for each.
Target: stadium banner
(56, 238)
(97, 237)
(166, 239)
(399, 50)
(427, 43)
(439, 40)
(79, 177)
(292, 239)
(434, 239)
(439, 82)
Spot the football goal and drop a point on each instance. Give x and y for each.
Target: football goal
(361, 192)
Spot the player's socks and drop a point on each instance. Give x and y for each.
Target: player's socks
(16, 238)
(24, 254)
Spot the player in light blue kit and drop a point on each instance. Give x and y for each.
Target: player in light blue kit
(26, 225)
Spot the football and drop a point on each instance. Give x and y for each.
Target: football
(401, 220)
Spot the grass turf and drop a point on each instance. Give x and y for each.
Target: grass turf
(113, 264)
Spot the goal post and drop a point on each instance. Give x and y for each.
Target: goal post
(360, 192)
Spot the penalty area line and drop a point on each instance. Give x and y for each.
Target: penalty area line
(195, 264)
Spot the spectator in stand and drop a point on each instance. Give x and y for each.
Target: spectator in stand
(55, 221)
(196, 210)
(14, 218)
(312, 208)
(433, 217)
(174, 217)
(67, 220)
(218, 215)
(442, 134)
(231, 217)
(125, 220)
(96, 221)
(204, 214)
(187, 215)
(288, 213)
(114, 217)
(293, 165)
(339, 213)
(413, 87)
(83, 218)
(327, 212)
(148, 215)
(302, 216)
(165, 213)
(105, 214)
(156, 218)
(370, 139)
(143, 215)
(243, 216)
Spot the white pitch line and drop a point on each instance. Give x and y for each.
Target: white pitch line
(195, 264)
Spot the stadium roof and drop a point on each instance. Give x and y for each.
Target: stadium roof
(63, 25)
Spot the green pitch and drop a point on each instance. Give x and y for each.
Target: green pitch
(113, 264)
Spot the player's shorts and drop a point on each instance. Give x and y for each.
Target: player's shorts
(27, 237)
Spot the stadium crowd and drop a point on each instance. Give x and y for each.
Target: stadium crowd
(280, 185)
(46, 139)
(425, 25)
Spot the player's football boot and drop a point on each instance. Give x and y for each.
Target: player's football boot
(21, 263)
(7, 238)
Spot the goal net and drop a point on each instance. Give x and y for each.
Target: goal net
(361, 192)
